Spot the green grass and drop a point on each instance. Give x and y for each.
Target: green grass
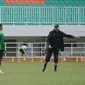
(30, 74)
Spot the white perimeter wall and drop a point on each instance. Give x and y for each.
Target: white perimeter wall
(41, 30)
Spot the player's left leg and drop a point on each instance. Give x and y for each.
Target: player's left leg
(25, 52)
(0, 61)
(47, 59)
(55, 59)
(1, 56)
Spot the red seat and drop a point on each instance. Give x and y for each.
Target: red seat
(6, 1)
(24, 1)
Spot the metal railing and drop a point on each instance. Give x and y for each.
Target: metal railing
(37, 49)
(25, 15)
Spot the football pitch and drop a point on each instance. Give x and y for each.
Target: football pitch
(28, 73)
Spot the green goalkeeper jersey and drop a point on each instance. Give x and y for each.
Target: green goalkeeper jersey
(2, 42)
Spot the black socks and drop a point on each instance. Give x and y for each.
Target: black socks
(55, 67)
(44, 67)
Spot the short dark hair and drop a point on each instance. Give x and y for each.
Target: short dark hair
(0, 25)
(56, 25)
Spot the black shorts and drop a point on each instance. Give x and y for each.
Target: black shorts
(49, 54)
(22, 51)
(1, 54)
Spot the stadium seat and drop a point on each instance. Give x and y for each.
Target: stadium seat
(24, 1)
(41, 14)
(45, 2)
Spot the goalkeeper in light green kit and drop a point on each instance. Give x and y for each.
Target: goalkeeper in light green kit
(2, 45)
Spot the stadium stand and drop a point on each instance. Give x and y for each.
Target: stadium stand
(65, 15)
(42, 11)
(45, 2)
